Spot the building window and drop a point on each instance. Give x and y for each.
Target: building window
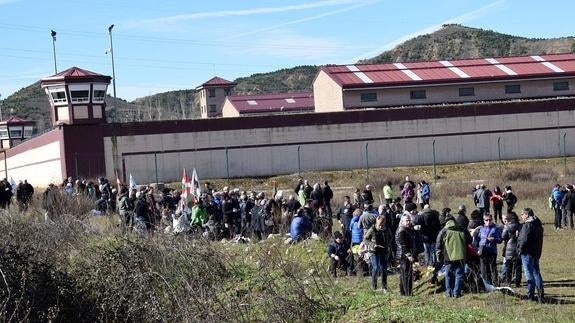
(16, 133)
(80, 96)
(212, 93)
(4, 133)
(466, 91)
(369, 97)
(213, 108)
(228, 91)
(99, 96)
(418, 94)
(58, 96)
(561, 86)
(28, 133)
(514, 88)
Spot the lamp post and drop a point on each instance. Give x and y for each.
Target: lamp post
(113, 70)
(53, 34)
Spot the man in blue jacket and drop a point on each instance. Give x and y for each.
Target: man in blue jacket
(300, 227)
(557, 198)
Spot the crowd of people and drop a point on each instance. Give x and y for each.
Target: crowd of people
(404, 230)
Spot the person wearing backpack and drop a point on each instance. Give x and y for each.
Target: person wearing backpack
(451, 248)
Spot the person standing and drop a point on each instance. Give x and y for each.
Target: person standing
(529, 247)
(327, 196)
(497, 202)
(568, 205)
(451, 248)
(557, 195)
(489, 237)
(510, 198)
(511, 268)
(479, 199)
(406, 254)
(388, 193)
(425, 192)
(344, 216)
(378, 239)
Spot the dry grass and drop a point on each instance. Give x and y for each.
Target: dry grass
(80, 268)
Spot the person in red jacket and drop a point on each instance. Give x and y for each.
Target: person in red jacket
(497, 202)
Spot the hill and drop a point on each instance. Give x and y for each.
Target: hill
(452, 41)
(455, 42)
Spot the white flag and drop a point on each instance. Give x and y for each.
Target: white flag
(196, 184)
(133, 184)
(13, 183)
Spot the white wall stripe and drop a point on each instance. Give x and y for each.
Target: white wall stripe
(538, 58)
(408, 72)
(500, 66)
(454, 69)
(361, 75)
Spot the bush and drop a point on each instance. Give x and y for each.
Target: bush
(531, 174)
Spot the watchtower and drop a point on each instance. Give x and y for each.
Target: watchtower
(77, 96)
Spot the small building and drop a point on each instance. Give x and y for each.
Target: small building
(212, 95)
(361, 86)
(14, 130)
(263, 104)
(77, 96)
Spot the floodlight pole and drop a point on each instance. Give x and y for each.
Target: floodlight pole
(53, 34)
(113, 70)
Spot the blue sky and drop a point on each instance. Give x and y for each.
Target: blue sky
(169, 45)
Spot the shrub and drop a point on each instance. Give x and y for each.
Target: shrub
(531, 174)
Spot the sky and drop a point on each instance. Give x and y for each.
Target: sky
(170, 45)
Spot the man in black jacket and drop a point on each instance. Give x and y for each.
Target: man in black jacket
(529, 246)
(327, 196)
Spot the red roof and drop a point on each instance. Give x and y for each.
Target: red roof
(272, 103)
(16, 121)
(449, 71)
(76, 74)
(217, 81)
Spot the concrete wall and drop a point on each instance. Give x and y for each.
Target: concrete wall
(39, 160)
(484, 91)
(338, 145)
(327, 94)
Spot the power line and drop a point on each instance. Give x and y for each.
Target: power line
(213, 43)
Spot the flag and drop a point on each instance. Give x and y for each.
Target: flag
(13, 184)
(185, 197)
(133, 184)
(118, 182)
(196, 184)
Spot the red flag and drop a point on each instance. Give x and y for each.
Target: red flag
(185, 188)
(118, 181)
